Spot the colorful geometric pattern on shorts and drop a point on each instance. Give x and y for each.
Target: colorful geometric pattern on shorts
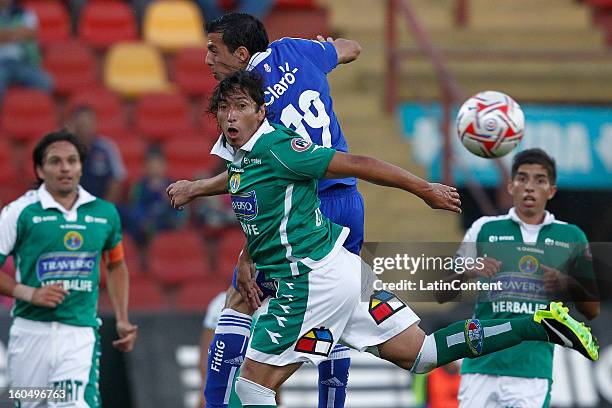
(383, 305)
(316, 341)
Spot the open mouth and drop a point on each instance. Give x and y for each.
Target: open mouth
(529, 200)
(232, 131)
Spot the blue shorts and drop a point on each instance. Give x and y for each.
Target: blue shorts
(343, 205)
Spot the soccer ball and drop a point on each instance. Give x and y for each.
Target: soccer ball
(490, 124)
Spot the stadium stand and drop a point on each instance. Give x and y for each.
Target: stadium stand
(107, 106)
(53, 21)
(191, 74)
(162, 116)
(178, 257)
(72, 65)
(196, 296)
(104, 23)
(173, 24)
(134, 68)
(21, 106)
(188, 155)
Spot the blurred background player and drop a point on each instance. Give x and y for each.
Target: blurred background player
(58, 235)
(522, 375)
(103, 169)
(295, 74)
(19, 54)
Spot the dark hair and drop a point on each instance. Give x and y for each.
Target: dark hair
(240, 30)
(249, 82)
(535, 156)
(62, 135)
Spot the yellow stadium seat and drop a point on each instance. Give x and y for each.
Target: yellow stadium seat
(134, 68)
(174, 24)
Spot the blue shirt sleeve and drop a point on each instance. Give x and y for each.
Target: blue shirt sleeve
(322, 54)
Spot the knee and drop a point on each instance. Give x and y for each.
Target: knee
(251, 393)
(234, 301)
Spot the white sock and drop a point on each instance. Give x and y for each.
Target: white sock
(427, 359)
(251, 393)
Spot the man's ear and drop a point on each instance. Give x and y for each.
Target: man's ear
(553, 191)
(243, 54)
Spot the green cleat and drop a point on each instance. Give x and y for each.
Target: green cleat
(566, 331)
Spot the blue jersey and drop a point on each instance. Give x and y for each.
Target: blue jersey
(297, 92)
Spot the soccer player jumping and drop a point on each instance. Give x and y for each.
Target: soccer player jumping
(324, 291)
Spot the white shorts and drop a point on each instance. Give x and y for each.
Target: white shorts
(498, 391)
(58, 356)
(335, 303)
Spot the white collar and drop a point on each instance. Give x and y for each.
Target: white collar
(226, 152)
(548, 219)
(257, 58)
(47, 201)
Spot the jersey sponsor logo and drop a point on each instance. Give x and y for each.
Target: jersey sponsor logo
(300, 145)
(66, 265)
(275, 91)
(497, 238)
(38, 219)
(247, 160)
(317, 341)
(552, 242)
(517, 285)
(234, 183)
(245, 205)
(516, 307)
(73, 240)
(383, 305)
(528, 264)
(474, 336)
(97, 220)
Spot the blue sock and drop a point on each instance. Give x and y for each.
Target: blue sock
(333, 377)
(225, 355)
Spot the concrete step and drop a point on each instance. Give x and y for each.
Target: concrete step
(573, 81)
(348, 15)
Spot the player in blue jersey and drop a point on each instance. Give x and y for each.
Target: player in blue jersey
(297, 96)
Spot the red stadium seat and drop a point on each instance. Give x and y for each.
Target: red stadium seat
(28, 114)
(11, 184)
(301, 23)
(132, 151)
(160, 116)
(178, 257)
(53, 21)
(146, 295)
(72, 66)
(188, 154)
(191, 74)
(107, 105)
(231, 244)
(195, 296)
(230, 4)
(103, 23)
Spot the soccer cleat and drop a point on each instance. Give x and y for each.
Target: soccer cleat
(566, 331)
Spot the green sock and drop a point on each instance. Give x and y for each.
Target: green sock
(473, 338)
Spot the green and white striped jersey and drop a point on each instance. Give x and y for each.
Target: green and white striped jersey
(53, 245)
(522, 249)
(273, 187)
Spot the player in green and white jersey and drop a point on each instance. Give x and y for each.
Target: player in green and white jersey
(556, 262)
(325, 293)
(58, 235)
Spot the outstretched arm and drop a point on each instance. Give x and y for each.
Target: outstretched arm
(437, 196)
(347, 50)
(184, 191)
